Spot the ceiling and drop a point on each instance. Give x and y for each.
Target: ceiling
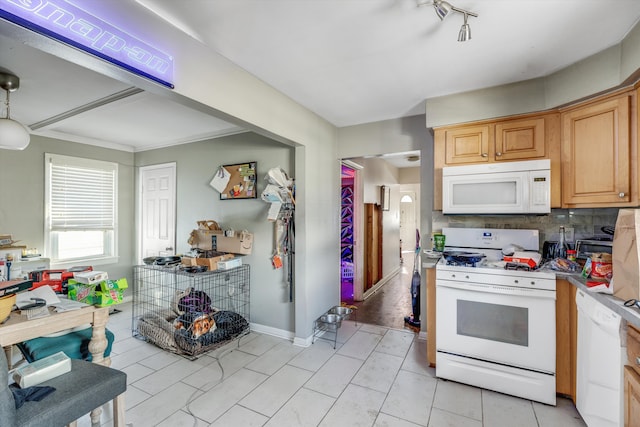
(349, 61)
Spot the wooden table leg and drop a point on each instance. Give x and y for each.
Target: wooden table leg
(97, 345)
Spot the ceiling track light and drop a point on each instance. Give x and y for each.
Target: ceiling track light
(13, 135)
(444, 8)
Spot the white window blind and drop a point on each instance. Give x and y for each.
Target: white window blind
(81, 208)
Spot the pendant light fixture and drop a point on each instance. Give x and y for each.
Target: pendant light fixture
(444, 8)
(13, 135)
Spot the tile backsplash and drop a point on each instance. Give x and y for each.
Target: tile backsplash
(585, 222)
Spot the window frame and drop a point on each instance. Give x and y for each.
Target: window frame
(51, 233)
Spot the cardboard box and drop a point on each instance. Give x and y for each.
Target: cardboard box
(229, 264)
(90, 277)
(189, 261)
(81, 292)
(110, 292)
(530, 259)
(215, 240)
(212, 263)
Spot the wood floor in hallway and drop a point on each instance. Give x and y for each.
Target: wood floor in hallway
(391, 303)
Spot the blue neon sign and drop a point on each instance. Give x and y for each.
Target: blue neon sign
(71, 25)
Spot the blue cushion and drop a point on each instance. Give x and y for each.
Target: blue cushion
(74, 344)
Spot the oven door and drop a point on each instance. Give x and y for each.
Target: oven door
(501, 324)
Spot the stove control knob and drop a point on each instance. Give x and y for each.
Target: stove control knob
(466, 277)
(533, 283)
(516, 281)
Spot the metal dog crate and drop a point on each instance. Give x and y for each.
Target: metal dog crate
(156, 305)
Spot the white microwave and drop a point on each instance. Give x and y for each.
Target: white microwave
(497, 188)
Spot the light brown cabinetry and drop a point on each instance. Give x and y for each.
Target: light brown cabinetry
(599, 153)
(528, 137)
(632, 379)
(566, 338)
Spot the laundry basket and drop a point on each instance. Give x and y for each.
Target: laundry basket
(347, 270)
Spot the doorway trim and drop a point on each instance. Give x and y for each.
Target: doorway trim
(358, 230)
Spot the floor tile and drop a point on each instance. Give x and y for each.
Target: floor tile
(356, 407)
(165, 377)
(273, 393)
(563, 414)
(136, 371)
(334, 376)
(373, 329)
(378, 372)
(416, 359)
(134, 396)
(305, 408)
(160, 360)
(501, 410)
(440, 418)
(360, 345)
(410, 397)
(260, 345)
(275, 358)
(215, 402)
(234, 361)
(348, 328)
(160, 406)
(459, 399)
(205, 378)
(123, 359)
(239, 416)
(182, 419)
(385, 420)
(313, 357)
(396, 342)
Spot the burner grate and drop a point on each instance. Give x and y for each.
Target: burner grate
(460, 263)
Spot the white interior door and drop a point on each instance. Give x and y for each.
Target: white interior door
(158, 208)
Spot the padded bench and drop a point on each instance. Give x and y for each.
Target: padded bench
(74, 344)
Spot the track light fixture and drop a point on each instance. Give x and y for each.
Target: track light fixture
(443, 9)
(13, 135)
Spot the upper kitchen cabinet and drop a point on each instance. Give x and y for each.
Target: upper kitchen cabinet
(530, 137)
(599, 153)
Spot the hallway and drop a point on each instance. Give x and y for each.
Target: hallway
(391, 303)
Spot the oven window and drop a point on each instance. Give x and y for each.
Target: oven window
(502, 323)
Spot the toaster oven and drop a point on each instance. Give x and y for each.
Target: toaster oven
(584, 248)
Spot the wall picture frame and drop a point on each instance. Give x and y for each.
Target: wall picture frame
(385, 196)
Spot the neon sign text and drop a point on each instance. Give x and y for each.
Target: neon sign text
(69, 24)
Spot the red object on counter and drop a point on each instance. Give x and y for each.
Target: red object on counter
(57, 279)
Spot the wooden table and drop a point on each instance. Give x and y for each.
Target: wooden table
(18, 329)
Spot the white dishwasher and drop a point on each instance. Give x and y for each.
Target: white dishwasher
(601, 358)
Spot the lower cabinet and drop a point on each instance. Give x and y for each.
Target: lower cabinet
(632, 379)
(566, 338)
(631, 397)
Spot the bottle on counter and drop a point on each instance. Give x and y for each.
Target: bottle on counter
(561, 249)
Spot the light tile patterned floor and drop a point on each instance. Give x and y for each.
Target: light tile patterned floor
(375, 377)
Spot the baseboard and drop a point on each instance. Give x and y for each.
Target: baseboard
(422, 336)
(275, 332)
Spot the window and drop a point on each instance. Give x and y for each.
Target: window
(80, 210)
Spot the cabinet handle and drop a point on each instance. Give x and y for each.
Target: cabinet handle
(498, 154)
(637, 360)
(621, 195)
(484, 155)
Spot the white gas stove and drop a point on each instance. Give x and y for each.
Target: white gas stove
(495, 327)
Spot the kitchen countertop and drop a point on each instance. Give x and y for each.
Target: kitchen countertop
(630, 314)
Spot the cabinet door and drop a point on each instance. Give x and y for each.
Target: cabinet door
(596, 152)
(631, 397)
(467, 145)
(520, 140)
(566, 338)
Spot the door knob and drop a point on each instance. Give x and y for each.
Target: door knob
(498, 154)
(621, 195)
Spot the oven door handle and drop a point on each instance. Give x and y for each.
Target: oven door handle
(496, 289)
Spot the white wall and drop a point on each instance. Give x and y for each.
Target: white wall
(196, 200)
